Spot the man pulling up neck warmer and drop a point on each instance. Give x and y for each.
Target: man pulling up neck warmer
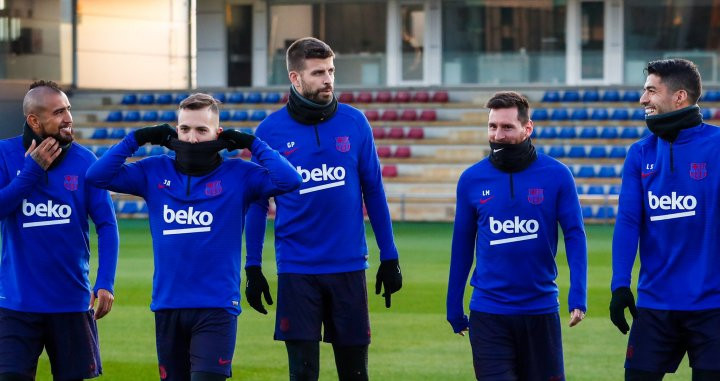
(196, 205)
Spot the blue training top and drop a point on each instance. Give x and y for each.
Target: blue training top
(196, 222)
(511, 222)
(669, 204)
(45, 232)
(319, 229)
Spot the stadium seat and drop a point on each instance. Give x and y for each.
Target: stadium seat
(618, 152)
(402, 152)
(146, 99)
(576, 152)
(585, 171)
(272, 98)
(638, 114)
(239, 116)
(615, 189)
(597, 152)
(408, 115)
(389, 171)
(389, 116)
(236, 98)
(383, 152)
(168, 116)
(706, 113)
(421, 97)
(579, 114)
(402, 97)
(611, 96)
(546, 132)
(181, 97)
(130, 207)
(596, 190)
(132, 116)
(378, 133)
(620, 114)
(631, 96)
(117, 133)
(599, 114)
(141, 152)
(364, 97)
(254, 98)
(605, 211)
(539, 114)
(579, 189)
(711, 96)
(559, 114)
(224, 115)
(629, 133)
(156, 151)
(284, 98)
(396, 133)
(609, 133)
(258, 115)
(114, 116)
(383, 97)
(567, 133)
(716, 115)
(248, 130)
(372, 115)
(540, 149)
(220, 97)
(571, 96)
(99, 133)
(416, 133)
(150, 116)
(428, 115)
(346, 98)
(591, 96)
(441, 97)
(551, 96)
(557, 151)
(164, 99)
(143, 208)
(588, 132)
(129, 99)
(607, 171)
(587, 211)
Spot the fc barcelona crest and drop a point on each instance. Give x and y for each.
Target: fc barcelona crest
(342, 143)
(71, 182)
(213, 188)
(535, 196)
(698, 171)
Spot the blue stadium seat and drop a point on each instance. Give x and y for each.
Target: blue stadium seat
(615, 189)
(533, 134)
(164, 99)
(559, 114)
(99, 133)
(258, 115)
(557, 151)
(540, 149)
(706, 113)
(117, 133)
(618, 152)
(599, 114)
(129, 99)
(611, 96)
(577, 152)
(156, 151)
(596, 190)
(99, 151)
(631, 96)
(588, 132)
(247, 131)
(585, 171)
(132, 116)
(130, 207)
(150, 116)
(146, 99)
(220, 96)
(254, 97)
(579, 114)
(587, 211)
(539, 114)
(609, 133)
(143, 208)
(638, 114)
(236, 98)
(620, 114)
(224, 115)
(591, 96)
(114, 116)
(547, 133)
(116, 206)
(142, 151)
(597, 152)
(711, 96)
(180, 97)
(607, 171)
(605, 211)
(272, 98)
(571, 96)
(630, 133)
(580, 189)
(168, 116)
(567, 133)
(551, 96)
(239, 116)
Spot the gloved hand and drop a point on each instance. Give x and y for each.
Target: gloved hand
(622, 298)
(237, 139)
(255, 286)
(158, 135)
(390, 277)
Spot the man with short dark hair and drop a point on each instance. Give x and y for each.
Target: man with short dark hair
(668, 204)
(320, 242)
(508, 209)
(196, 206)
(45, 295)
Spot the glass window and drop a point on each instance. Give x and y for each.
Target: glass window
(355, 31)
(494, 41)
(673, 28)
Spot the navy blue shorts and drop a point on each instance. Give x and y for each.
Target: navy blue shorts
(516, 347)
(659, 339)
(194, 340)
(70, 339)
(336, 303)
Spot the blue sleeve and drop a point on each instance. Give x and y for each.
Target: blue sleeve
(255, 221)
(627, 224)
(110, 171)
(274, 176)
(103, 215)
(13, 191)
(461, 258)
(374, 195)
(571, 222)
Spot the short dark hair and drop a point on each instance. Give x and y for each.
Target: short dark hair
(678, 74)
(306, 48)
(43, 83)
(199, 101)
(511, 99)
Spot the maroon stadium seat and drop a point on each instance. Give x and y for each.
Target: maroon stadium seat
(285, 98)
(402, 152)
(389, 116)
(428, 115)
(416, 133)
(383, 97)
(408, 115)
(346, 98)
(364, 97)
(378, 133)
(440, 97)
(389, 171)
(402, 97)
(372, 115)
(396, 133)
(383, 151)
(421, 97)
(716, 116)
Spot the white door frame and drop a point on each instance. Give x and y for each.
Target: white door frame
(432, 43)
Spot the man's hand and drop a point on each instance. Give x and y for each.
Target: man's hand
(622, 298)
(389, 277)
(105, 301)
(237, 139)
(576, 316)
(45, 153)
(255, 287)
(159, 135)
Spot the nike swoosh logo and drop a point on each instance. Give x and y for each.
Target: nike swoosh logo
(224, 362)
(646, 174)
(287, 153)
(498, 150)
(484, 200)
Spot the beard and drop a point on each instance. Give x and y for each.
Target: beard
(316, 95)
(63, 137)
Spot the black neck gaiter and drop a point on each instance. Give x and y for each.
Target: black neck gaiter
(512, 157)
(29, 135)
(306, 111)
(197, 159)
(667, 126)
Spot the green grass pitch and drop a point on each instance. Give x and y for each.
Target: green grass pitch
(411, 340)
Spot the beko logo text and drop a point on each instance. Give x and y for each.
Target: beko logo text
(672, 202)
(201, 220)
(324, 173)
(59, 213)
(528, 228)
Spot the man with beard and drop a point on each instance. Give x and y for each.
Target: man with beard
(196, 206)
(319, 230)
(45, 295)
(668, 204)
(508, 209)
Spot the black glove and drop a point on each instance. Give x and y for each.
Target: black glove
(237, 139)
(256, 286)
(158, 135)
(390, 276)
(622, 298)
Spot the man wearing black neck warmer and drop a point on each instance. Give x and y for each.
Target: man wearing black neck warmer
(508, 210)
(669, 208)
(196, 206)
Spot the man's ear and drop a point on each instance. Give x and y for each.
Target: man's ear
(529, 126)
(219, 130)
(294, 78)
(681, 96)
(33, 122)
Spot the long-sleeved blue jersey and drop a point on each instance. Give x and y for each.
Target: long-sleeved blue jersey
(319, 229)
(45, 232)
(510, 220)
(196, 222)
(669, 203)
